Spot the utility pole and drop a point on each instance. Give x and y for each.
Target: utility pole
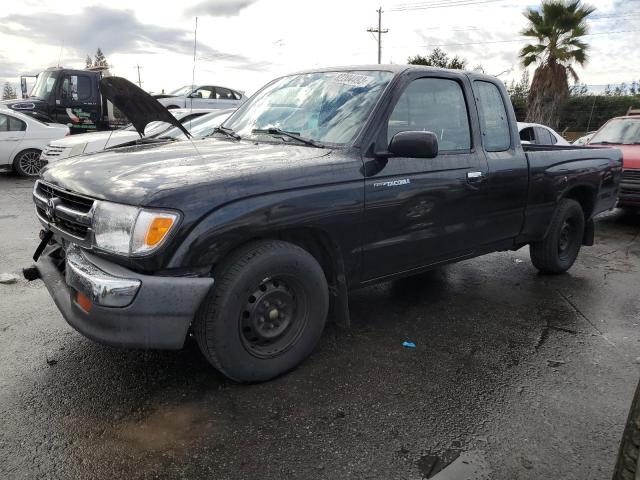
(379, 31)
(139, 81)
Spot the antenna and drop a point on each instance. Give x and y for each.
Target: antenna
(193, 73)
(60, 56)
(193, 81)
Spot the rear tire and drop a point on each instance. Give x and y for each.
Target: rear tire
(27, 163)
(628, 464)
(559, 249)
(265, 313)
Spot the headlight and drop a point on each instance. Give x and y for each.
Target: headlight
(77, 149)
(127, 230)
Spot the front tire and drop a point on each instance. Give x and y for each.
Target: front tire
(559, 249)
(27, 163)
(265, 313)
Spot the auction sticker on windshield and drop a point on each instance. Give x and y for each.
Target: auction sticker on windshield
(352, 79)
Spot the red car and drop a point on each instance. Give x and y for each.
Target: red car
(624, 133)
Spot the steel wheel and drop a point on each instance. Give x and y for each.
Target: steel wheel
(273, 317)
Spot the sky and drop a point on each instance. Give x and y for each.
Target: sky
(243, 44)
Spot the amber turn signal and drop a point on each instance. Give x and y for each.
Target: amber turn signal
(157, 230)
(83, 302)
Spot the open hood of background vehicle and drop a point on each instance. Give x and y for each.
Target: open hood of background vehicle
(136, 104)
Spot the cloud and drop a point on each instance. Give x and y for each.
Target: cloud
(114, 31)
(218, 8)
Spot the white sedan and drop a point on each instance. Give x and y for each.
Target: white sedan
(97, 141)
(202, 96)
(22, 139)
(537, 134)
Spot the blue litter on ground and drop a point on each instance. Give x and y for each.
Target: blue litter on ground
(409, 344)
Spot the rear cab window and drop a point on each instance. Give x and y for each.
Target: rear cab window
(494, 121)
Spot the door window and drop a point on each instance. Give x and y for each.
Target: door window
(16, 125)
(544, 136)
(203, 92)
(494, 122)
(526, 135)
(4, 123)
(224, 94)
(433, 105)
(76, 88)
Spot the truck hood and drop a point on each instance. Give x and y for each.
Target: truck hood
(136, 104)
(132, 175)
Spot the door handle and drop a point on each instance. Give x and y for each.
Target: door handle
(475, 175)
(474, 179)
(13, 139)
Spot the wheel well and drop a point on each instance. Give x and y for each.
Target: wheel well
(328, 255)
(585, 196)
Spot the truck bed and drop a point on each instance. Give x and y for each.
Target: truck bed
(555, 170)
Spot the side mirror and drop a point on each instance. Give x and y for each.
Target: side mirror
(414, 145)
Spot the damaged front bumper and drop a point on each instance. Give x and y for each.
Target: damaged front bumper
(126, 308)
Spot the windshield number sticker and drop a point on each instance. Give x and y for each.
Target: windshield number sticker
(352, 79)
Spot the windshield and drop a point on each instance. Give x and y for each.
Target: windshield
(621, 131)
(44, 85)
(199, 127)
(186, 90)
(328, 107)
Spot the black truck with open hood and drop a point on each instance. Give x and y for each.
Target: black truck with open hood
(323, 182)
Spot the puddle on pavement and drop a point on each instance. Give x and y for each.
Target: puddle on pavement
(168, 428)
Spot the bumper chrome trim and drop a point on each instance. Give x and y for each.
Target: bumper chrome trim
(102, 288)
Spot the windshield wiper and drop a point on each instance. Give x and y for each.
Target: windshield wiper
(227, 131)
(603, 142)
(294, 135)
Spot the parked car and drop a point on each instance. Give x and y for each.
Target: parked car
(96, 141)
(324, 181)
(624, 133)
(22, 139)
(201, 96)
(582, 141)
(537, 134)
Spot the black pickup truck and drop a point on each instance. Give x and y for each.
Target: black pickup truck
(323, 182)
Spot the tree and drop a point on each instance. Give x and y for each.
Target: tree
(440, 58)
(88, 63)
(100, 60)
(557, 28)
(8, 92)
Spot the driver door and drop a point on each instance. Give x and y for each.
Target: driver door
(418, 211)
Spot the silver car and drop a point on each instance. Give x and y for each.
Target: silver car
(202, 96)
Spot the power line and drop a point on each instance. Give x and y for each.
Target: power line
(515, 40)
(441, 4)
(379, 31)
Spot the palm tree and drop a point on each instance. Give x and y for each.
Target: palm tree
(557, 27)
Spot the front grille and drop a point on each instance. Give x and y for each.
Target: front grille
(67, 211)
(53, 151)
(632, 176)
(71, 200)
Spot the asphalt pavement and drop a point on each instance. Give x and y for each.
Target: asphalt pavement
(514, 375)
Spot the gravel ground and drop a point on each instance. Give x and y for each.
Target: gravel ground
(526, 376)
